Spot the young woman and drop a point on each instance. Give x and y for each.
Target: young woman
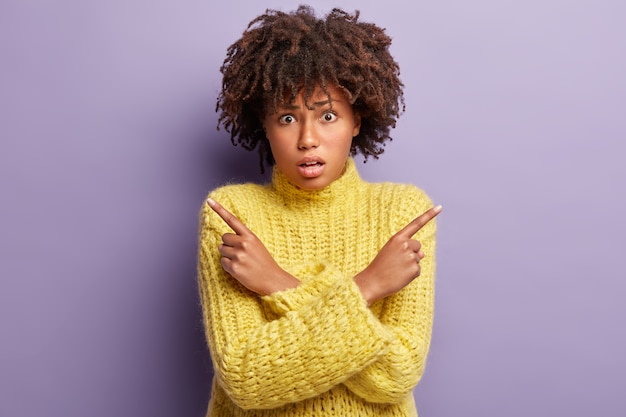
(317, 288)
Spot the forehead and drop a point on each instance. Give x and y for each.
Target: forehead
(317, 97)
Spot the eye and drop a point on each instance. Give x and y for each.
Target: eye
(286, 119)
(329, 117)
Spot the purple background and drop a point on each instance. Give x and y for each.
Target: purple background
(515, 122)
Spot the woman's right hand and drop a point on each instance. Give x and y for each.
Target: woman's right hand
(397, 263)
(246, 259)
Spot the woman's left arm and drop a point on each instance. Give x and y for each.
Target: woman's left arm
(408, 316)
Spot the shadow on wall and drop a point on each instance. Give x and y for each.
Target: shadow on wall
(198, 358)
(234, 164)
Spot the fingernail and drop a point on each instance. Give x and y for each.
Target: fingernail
(211, 202)
(438, 208)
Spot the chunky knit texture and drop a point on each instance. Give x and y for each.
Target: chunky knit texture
(316, 350)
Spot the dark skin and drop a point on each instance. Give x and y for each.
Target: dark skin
(244, 257)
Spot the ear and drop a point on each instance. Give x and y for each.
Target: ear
(357, 125)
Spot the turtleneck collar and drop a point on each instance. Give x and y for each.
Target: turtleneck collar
(293, 195)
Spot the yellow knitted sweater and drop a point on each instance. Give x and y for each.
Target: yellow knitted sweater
(316, 350)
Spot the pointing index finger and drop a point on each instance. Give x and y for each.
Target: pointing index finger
(230, 219)
(416, 224)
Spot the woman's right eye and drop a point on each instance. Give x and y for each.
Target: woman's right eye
(287, 119)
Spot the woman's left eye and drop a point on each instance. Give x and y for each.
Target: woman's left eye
(329, 117)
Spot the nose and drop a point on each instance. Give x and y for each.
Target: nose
(308, 138)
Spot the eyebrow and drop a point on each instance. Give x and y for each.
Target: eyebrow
(322, 103)
(315, 104)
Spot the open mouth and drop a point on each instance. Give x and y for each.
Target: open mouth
(311, 164)
(311, 169)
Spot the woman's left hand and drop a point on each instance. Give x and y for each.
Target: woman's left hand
(246, 258)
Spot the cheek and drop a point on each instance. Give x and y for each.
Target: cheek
(279, 148)
(347, 143)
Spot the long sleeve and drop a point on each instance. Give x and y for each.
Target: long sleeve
(264, 363)
(408, 316)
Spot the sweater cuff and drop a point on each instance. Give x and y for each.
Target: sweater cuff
(314, 280)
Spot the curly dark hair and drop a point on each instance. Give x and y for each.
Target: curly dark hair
(281, 54)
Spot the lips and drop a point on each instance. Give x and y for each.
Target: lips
(310, 160)
(311, 167)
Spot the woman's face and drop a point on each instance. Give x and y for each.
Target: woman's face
(311, 146)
